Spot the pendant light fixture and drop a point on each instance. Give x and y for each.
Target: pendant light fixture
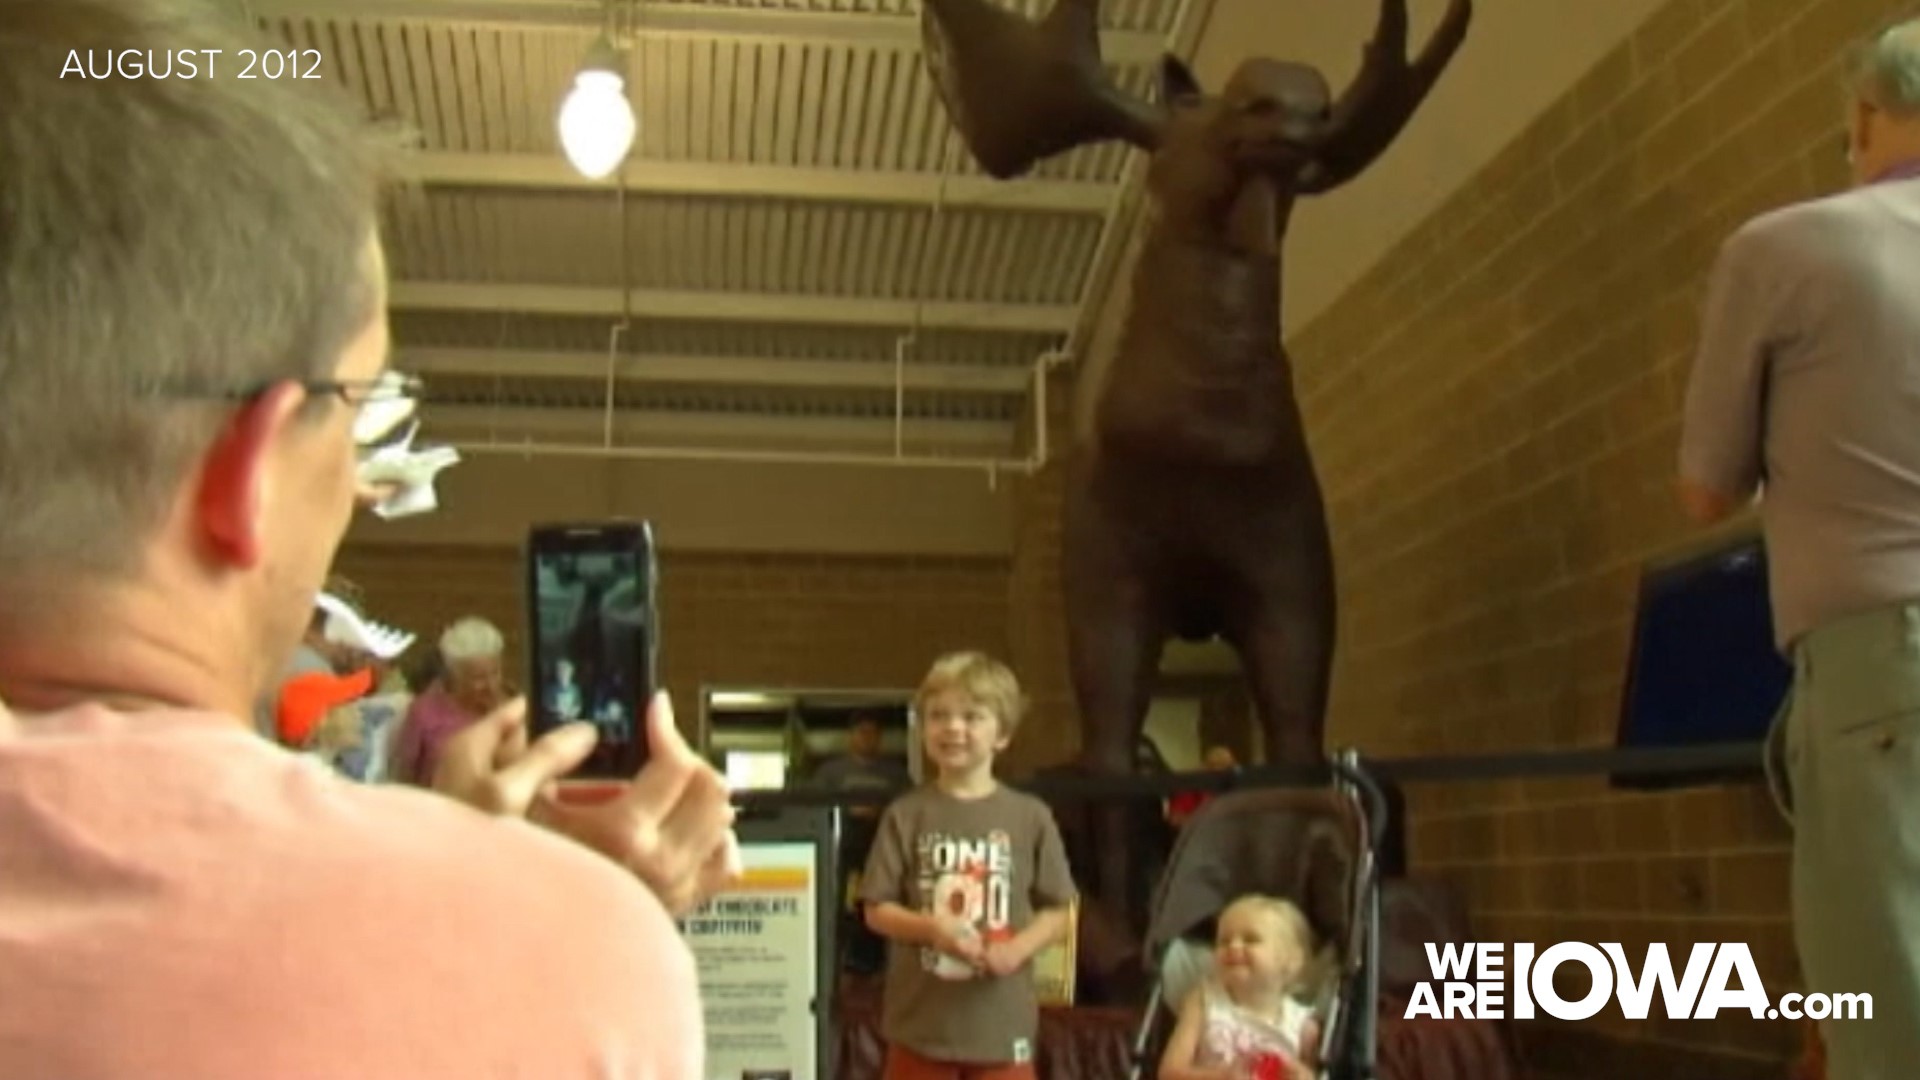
(597, 124)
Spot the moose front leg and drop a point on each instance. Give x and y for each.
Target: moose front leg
(1285, 635)
(1114, 638)
(1288, 658)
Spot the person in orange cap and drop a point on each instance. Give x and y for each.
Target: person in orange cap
(308, 698)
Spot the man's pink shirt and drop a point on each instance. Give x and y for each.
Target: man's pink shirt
(181, 898)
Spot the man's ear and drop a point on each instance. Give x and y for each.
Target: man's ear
(230, 505)
(1177, 84)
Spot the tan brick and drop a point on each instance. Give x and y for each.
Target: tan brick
(1752, 882)
(1774, 953)
(1664, 31)
(1640, 824)
(1678, 885)
(1612, 886)
(1769, 19)
(1718, 47)
(1597, 91)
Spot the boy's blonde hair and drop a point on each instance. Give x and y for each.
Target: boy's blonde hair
(982, 678)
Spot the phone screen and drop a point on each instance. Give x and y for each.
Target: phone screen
(593, 637)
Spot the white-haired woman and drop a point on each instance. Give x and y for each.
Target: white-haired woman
(470, 686)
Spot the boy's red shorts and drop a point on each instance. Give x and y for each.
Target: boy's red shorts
(904, 1064)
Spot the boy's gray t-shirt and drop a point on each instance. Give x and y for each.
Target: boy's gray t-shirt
(993, 860)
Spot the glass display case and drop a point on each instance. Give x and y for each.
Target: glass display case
(771, 738)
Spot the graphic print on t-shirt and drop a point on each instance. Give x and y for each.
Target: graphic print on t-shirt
(967, 880)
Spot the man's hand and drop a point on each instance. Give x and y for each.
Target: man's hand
(1703, 505)
(672, 826)
(490, 766)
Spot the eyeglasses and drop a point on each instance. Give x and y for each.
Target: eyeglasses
(383, 403)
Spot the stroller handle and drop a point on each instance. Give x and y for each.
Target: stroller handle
(1346, 766)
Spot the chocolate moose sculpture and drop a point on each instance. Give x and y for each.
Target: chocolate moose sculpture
(1194, 509)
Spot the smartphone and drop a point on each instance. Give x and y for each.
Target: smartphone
(593, 637)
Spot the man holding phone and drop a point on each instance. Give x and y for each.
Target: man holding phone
(187, 374)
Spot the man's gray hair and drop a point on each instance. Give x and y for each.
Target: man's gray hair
(169, 247)
(471, 638)
(1885, 69)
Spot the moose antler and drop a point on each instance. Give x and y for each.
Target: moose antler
(1019, 91)
(1384, 95)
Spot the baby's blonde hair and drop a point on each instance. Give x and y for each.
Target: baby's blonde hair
(1286, 911)
(979, 676)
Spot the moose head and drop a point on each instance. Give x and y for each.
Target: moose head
(1020, 91)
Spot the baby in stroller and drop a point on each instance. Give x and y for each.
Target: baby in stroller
(1301, 860)
(1245, 1020)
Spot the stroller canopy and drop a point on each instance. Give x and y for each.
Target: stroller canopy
(1308, 846)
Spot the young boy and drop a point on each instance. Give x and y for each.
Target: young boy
(967, 880)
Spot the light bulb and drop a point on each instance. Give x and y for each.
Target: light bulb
(596, 123)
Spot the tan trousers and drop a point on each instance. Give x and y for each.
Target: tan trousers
(1848, 741)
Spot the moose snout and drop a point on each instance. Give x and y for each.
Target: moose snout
(1279, 140)
(1270, 120)
(1300, 130)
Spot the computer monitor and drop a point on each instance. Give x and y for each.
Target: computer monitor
(1703, 667)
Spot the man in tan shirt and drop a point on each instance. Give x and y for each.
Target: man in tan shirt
(1806, 390)
(193, 347)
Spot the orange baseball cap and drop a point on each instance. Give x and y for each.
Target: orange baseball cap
(306, 699)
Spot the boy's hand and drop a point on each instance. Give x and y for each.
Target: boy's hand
(959, 941)
(1005, 957)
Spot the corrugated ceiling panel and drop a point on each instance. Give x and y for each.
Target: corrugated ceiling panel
(726, 244)
(810, 104)
(511, 330)
(478, 89)
(803, 103)
(1148, 15)
(588, 393)
(474, 89)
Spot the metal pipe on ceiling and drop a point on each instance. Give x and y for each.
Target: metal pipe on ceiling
(531, 449)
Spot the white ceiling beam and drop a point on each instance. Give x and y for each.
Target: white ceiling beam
(702, 305)
(535, 171)
(713, 370)
(507, 424)
(1120, 47)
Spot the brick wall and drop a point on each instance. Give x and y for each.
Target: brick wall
(1036, 627)
(754, 620)
(1494, 408)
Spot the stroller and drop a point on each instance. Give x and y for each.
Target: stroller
(1316, 847)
